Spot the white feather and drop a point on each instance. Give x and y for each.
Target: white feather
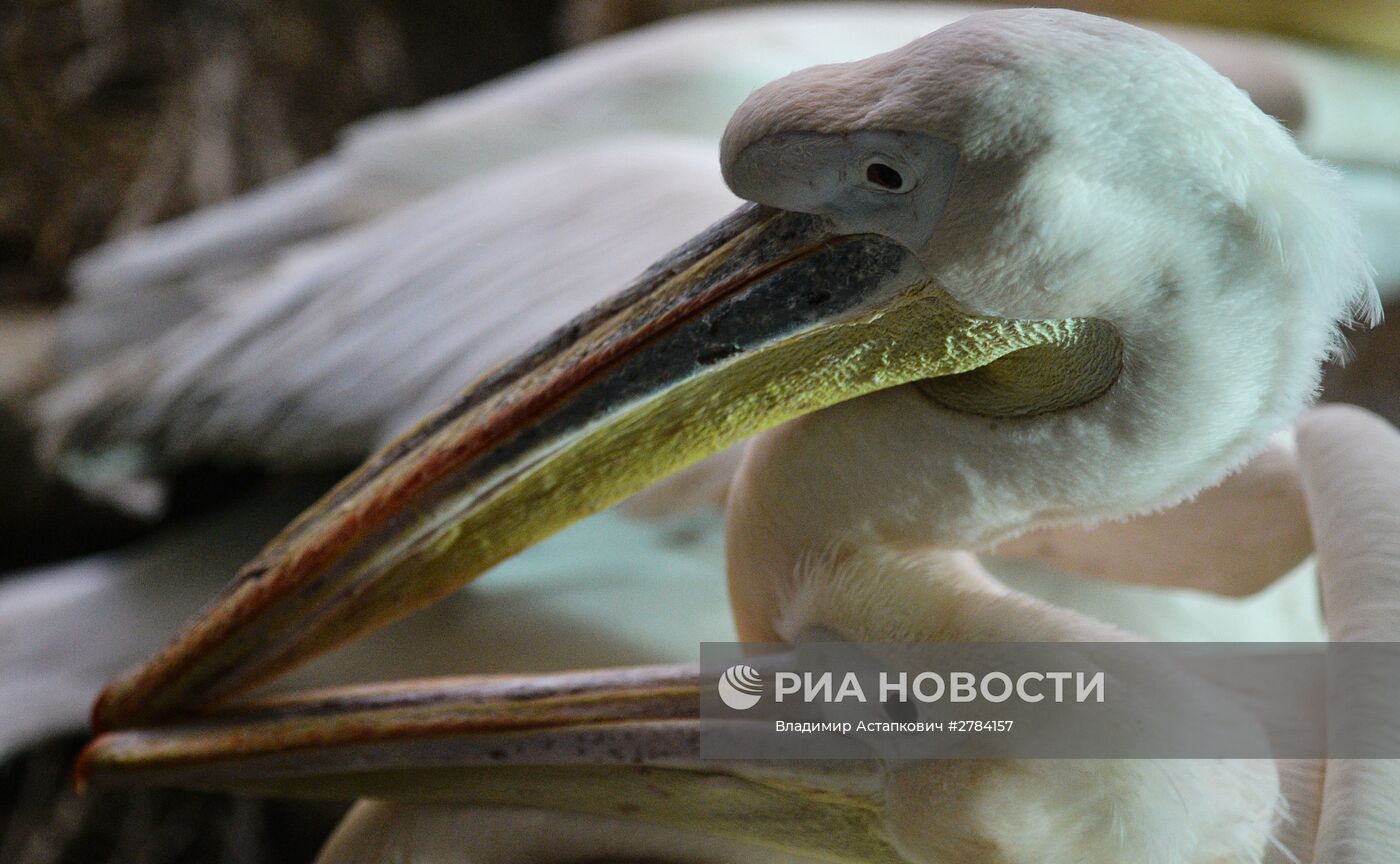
(351, 338)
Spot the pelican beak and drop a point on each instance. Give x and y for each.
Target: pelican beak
(614, 742)
(766, 316)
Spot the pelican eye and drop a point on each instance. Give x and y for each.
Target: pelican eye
(884, 176)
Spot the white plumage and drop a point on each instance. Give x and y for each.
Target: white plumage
(1186, 222)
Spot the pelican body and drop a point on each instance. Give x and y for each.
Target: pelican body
(1035, 268)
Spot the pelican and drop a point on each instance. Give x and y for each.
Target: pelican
(950, 317)
(184, 333)
(1349, 462)
(403, 302)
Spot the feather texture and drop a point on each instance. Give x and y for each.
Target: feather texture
(350, 338)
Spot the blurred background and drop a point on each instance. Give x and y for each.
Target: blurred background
(115, 114)
(120, 113)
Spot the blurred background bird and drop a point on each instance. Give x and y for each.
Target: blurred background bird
(297, 329)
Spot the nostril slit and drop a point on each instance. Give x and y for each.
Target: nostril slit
(817, 298)
(883, 175)
(715, 355)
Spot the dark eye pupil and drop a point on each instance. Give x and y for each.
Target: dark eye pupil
(883, 175)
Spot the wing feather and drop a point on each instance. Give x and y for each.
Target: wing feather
(684, 76)
(347, 339)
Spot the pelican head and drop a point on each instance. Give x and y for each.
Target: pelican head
(1036, 266)
(1043, 165)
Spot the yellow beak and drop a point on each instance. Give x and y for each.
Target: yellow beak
(767, 316)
